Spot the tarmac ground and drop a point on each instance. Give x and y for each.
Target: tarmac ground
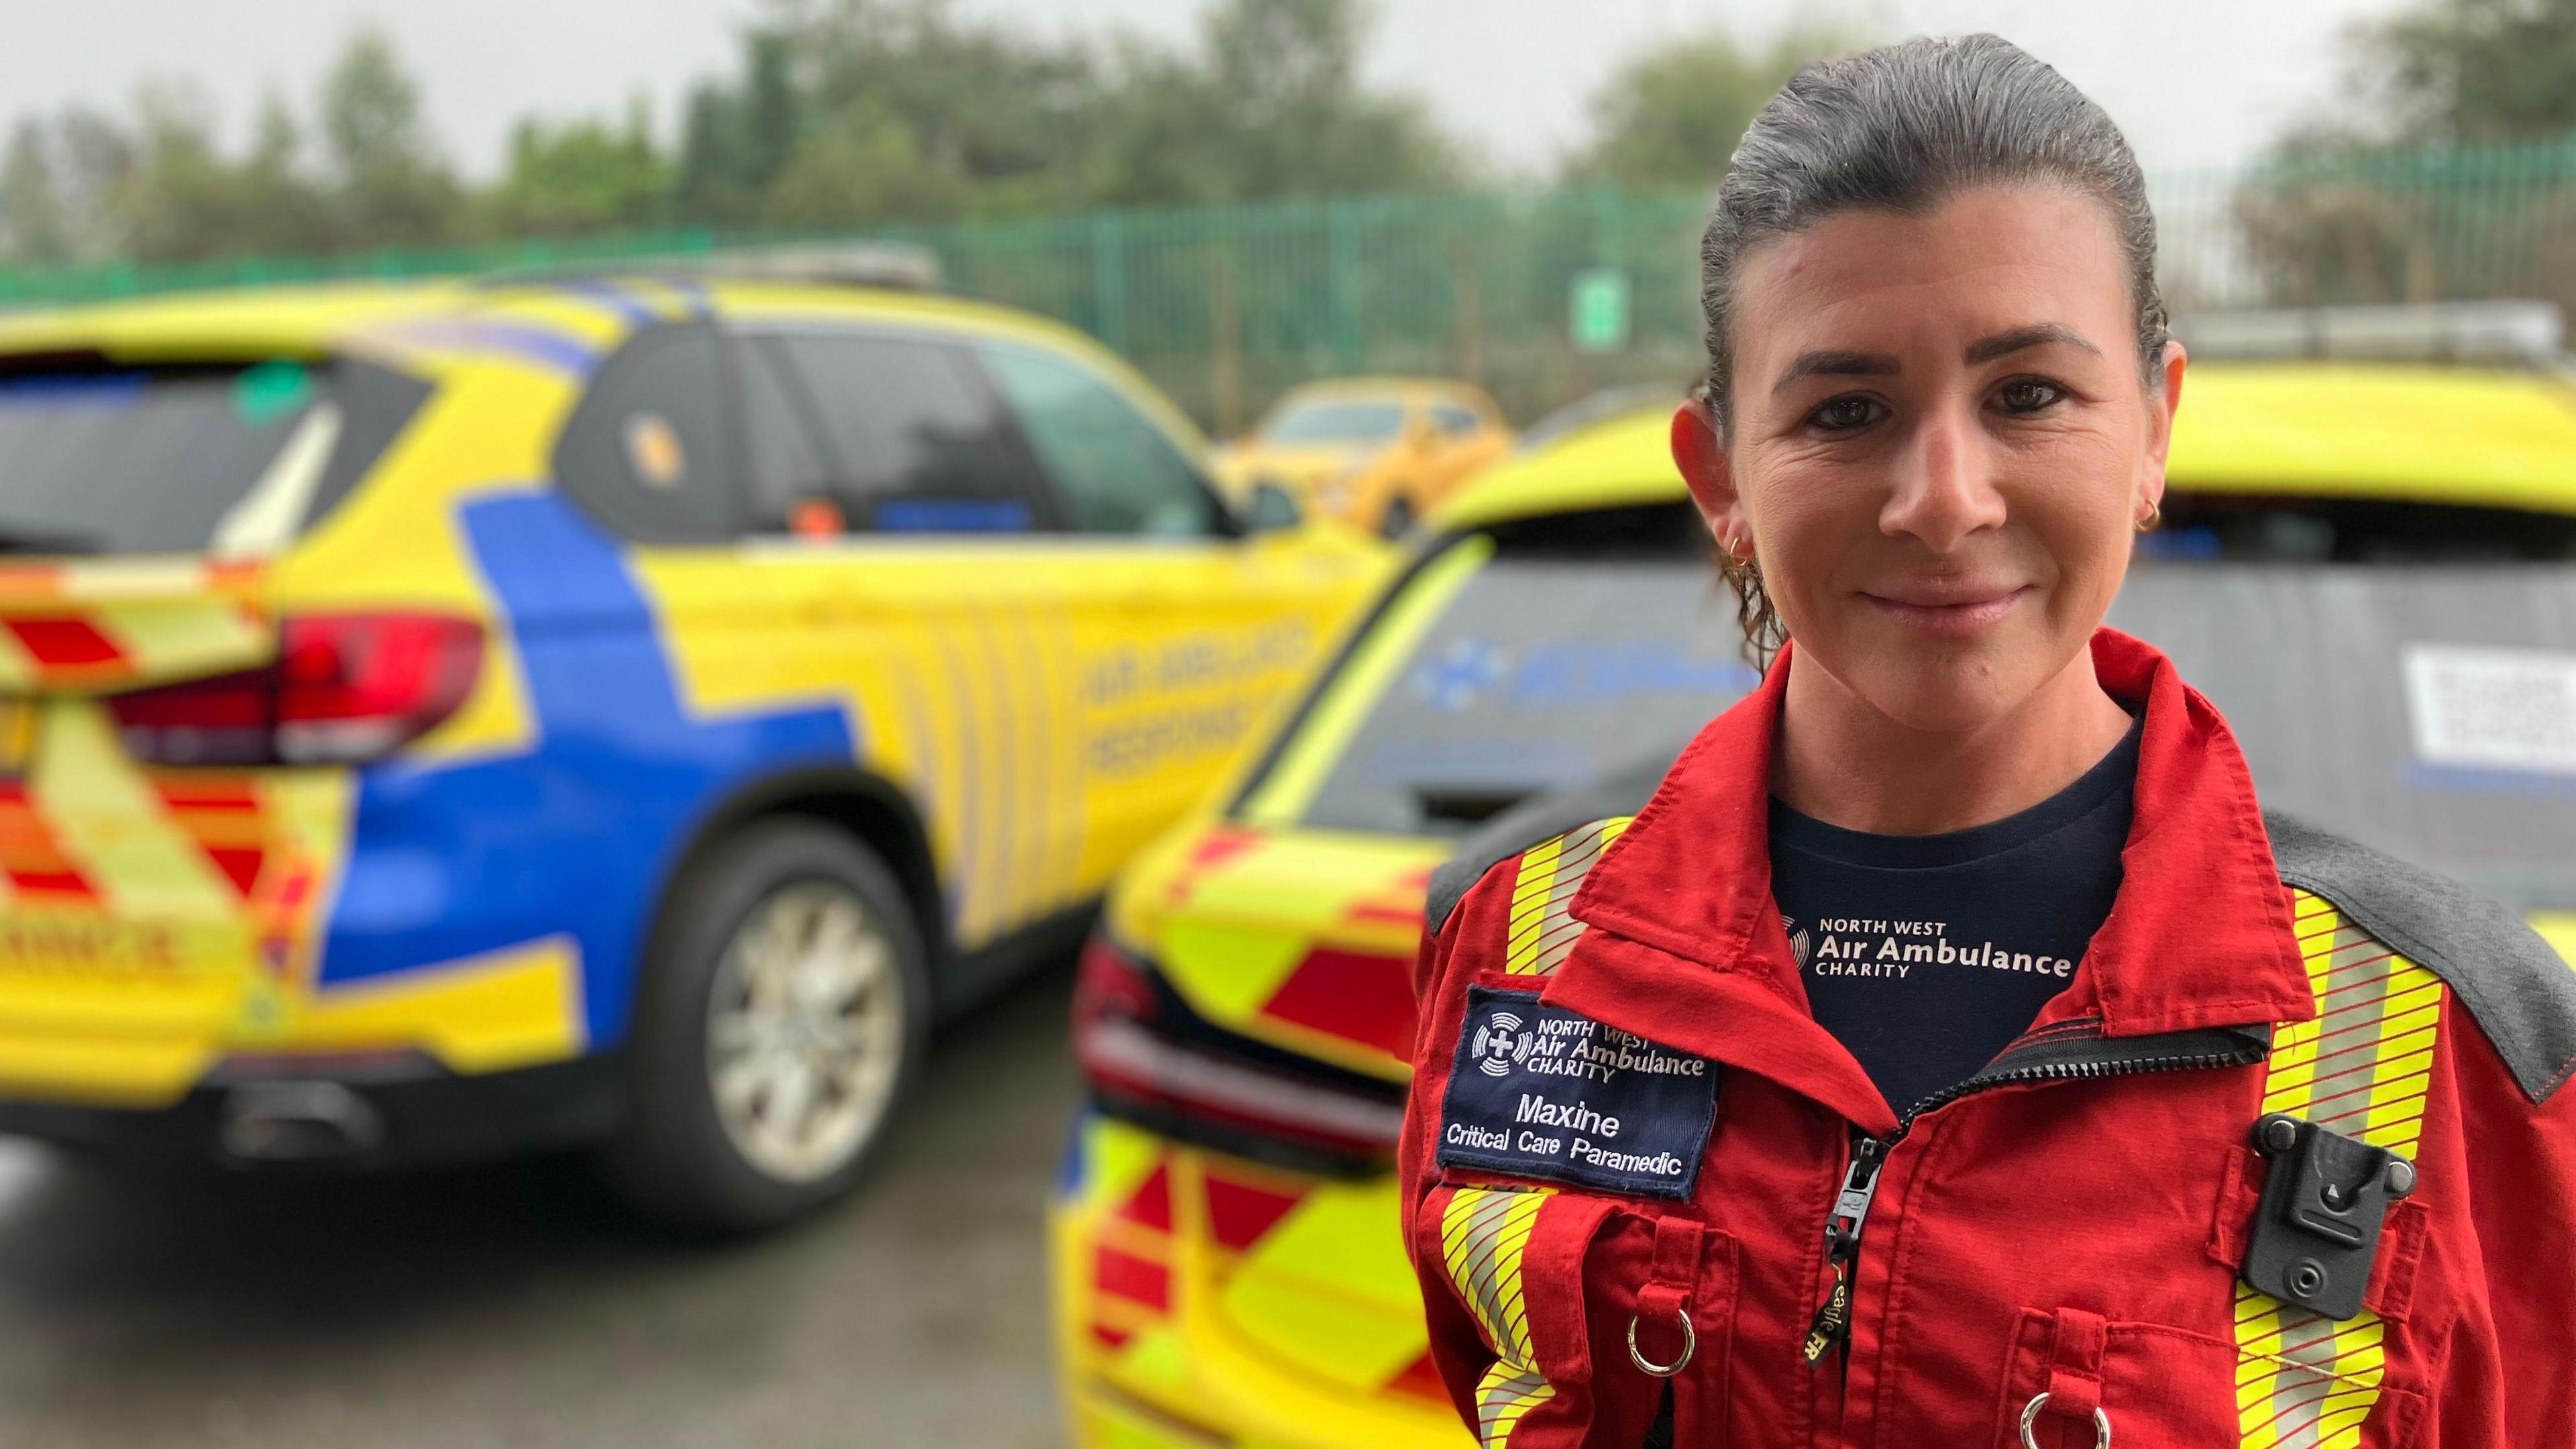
(513, 1305)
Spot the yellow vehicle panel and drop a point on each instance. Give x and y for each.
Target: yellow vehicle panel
(1206, 1300)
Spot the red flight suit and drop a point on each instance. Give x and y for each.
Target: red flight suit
(1631, 1146)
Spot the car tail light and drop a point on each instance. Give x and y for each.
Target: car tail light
(1150, 1058)
(344, 688)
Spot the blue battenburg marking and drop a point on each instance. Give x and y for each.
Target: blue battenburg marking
(627, 307)
(950, 515)
(1461, 673)
(83, 389)
(694, 293)
(2471, 780)
(1073, 1166)
(1537, 1091)
(579, 835)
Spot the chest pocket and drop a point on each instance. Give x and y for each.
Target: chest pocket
(1592, 1309)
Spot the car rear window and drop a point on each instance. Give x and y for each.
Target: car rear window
(2409, 681)
(231, 458)
(1511, 663)
(2428, 710)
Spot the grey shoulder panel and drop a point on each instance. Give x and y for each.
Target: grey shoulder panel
(1542, 817)
(2522, 994)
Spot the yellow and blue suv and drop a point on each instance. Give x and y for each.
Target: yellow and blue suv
(439, 719)
(2370, 565)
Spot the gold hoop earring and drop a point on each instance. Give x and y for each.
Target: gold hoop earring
(2155, 516)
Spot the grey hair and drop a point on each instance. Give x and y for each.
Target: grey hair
(1904, 128)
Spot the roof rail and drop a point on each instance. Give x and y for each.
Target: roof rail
(2517, 333)
(836, 264)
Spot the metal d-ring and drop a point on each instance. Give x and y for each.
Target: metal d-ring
(2030, 1415)
(1690, 1345)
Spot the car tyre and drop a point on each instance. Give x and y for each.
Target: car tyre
(782, 1022)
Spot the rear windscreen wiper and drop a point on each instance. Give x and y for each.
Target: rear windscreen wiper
(1465, 805)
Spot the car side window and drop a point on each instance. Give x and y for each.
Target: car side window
(1115, 471)
(789, 488)
(919, 442)
(649, 451)
(1454, 421)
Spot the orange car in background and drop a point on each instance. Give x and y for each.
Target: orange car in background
(1373, 452)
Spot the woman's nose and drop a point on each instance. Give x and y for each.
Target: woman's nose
(1945, 487)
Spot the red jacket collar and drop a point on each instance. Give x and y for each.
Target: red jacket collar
(2200, 934)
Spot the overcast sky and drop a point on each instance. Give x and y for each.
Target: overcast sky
(2194, 82)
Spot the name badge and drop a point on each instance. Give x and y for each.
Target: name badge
(1539, 1092)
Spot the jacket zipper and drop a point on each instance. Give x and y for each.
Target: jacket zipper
(2083, 1058)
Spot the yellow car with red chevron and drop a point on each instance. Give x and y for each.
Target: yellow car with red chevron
(444, 718)
(1225, 1249)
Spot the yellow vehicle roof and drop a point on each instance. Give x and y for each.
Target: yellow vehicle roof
(2468, 436)
(287, 319)
(597, 309)
(311, 316)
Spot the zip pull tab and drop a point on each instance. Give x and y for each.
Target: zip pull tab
(1831, 1327)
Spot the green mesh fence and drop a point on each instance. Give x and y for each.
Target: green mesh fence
(1228, 306)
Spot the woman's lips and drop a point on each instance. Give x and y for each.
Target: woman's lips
(1949, 615)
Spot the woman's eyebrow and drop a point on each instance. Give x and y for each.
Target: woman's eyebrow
(1837, 364)
(2004, 344)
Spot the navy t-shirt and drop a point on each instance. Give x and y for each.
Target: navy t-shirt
(1926, 954)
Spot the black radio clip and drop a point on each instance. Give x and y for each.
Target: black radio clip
(2324, 1206)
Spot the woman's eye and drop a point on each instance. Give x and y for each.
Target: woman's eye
(2028, 395)
(1842, 414)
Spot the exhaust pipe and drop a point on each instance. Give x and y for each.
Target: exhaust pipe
(298, 1122)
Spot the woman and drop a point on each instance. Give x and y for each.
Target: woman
(1950, 1053)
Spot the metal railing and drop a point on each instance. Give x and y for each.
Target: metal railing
(1228, 306)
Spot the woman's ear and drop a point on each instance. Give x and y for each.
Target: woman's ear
(2163, 401)
(1710, 476)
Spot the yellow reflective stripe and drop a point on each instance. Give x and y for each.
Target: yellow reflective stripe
(1543, 928)
(1534, 879)
(1361, 681)
(1484, 1236)
(2361, 1068)
(2302, 1380)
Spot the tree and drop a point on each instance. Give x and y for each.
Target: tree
(736, 138)
(992, 118)
(393, 187)
(182, 199)
(283, 209)
(1670, 117)
(2347, 209)
(1271, 105)
(582, 176)
(2473, 70)
(860, 165)
(177, 202)
(63, 188)
(35, 224)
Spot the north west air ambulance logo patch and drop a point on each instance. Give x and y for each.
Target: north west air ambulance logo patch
(1501, 1044)
(1544, 1093)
